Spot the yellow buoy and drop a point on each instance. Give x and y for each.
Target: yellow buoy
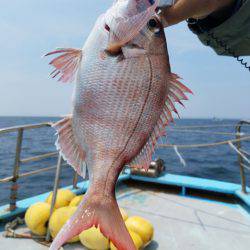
(63, 198)
(37, 216)
(76, 201)
(92, 238)
(136, 239)
(142, 227)
(59, 218)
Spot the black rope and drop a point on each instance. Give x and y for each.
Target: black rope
(228, 50)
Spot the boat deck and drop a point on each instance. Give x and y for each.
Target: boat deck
(180, 222)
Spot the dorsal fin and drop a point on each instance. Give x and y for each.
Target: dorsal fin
(66, 64)
(176, 93)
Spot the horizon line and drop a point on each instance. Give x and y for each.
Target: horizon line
(184, 117)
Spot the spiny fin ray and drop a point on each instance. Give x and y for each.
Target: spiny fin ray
(176, 93)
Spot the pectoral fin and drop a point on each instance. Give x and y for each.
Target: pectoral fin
(66, 64)
(133, 52)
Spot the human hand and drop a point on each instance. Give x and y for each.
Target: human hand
(184, 9)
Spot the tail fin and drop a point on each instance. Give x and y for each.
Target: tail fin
(98, 211)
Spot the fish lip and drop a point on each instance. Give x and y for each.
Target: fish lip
(117, 50)
(114, 49)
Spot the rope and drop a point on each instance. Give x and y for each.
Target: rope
(245, 166)
(10, 230)
(183, 162)
(245, 152)
(238, 151)
(210, 126)
(204, 145)
(205, 132)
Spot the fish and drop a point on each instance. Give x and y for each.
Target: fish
(124, 97)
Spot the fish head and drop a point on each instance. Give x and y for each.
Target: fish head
(125, 19)
(151, 39)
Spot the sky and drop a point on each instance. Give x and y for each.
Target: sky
(30, 28)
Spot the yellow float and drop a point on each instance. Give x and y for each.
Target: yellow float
(93, 239)
(136, 239)
(76, 201)
(37, 216)
(59, 218)
(63, 198)
(142, 227)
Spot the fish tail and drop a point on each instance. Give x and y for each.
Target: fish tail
(100, 211)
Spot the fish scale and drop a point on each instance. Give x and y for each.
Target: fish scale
(121, 105)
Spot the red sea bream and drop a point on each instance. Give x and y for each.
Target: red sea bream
(123, 99)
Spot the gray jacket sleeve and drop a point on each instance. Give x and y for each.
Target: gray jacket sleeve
(234, 32)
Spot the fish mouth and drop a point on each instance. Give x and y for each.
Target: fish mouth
(114, 48)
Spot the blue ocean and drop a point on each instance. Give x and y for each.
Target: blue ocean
(219, 162)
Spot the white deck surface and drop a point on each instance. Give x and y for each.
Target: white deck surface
(181, 223)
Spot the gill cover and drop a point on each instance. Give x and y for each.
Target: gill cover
(126, 18)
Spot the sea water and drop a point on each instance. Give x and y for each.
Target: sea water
(219, 162)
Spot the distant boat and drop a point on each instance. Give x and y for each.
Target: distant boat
(216, 119)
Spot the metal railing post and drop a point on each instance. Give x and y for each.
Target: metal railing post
(75, 179)
(240, 158)
(14, 186)
(56, 185)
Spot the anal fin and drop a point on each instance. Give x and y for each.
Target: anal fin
(68, 147)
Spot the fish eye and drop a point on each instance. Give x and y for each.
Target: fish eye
(154, 25)
(151, 2)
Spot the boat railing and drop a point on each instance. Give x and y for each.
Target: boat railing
(18, 162)
(241, 155)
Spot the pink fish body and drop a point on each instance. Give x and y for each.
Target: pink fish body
(121, 106)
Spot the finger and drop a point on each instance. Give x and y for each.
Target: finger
(184, 9)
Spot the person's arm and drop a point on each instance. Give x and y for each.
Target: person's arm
(184, 9)
(224, 25)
